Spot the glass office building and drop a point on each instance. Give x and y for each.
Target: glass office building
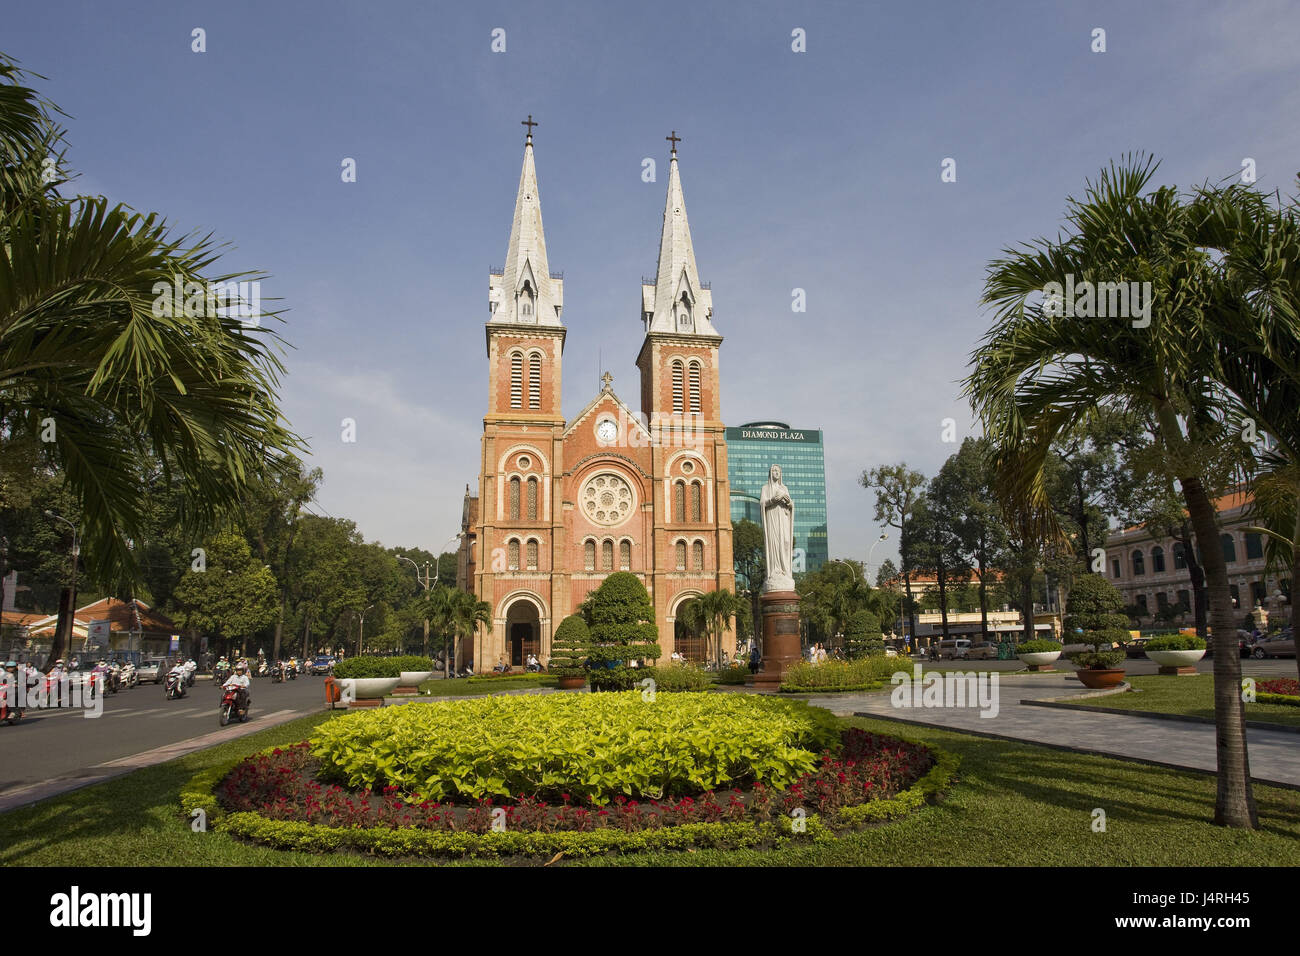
(751, 450)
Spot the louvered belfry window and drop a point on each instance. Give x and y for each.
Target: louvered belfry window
(534, 381)
(677, 387)
(516, 381)
(695, 386)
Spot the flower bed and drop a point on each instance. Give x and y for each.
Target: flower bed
(589, 746)
(273, 798)
(865, 673)
(1279, 690)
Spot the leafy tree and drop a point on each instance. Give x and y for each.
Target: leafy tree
(621, 620)
(899, 490)
(232, 598)
(748, 550)
(569, 647)
(829, 596)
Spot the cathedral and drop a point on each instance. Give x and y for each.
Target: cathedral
(563, 503)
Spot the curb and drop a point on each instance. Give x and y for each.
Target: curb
(1156, 715)
(1085, 751)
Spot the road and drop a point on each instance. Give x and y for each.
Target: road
(52, 751)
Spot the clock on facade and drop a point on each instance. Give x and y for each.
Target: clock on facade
(606, 431)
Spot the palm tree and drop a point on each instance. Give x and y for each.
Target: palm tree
(1040, 372)
(437, 607)
(112, 394)
(467, 613)
(717, 608)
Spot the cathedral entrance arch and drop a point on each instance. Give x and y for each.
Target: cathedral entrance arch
(691, 645)
(523, 631)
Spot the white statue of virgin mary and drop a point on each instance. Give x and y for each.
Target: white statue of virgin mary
(778, 532)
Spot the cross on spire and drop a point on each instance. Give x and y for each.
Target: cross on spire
(530, 124)
(674, 139)
(606, 381)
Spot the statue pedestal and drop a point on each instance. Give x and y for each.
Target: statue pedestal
(781, 648)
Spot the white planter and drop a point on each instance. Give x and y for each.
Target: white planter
(1175, 658)
(1040, 658)
(370, 688)
(414, 678)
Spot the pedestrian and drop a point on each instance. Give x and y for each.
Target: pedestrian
(754, 659)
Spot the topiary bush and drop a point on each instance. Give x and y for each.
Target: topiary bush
(862, 637)
(1095, 613)
(569, 648)
(621, 622)
(862, 674)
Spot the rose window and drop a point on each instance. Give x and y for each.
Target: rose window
(607, 499)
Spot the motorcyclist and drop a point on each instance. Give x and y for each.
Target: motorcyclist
(179, 672)
(190, 668)
(9, 688)
(241, 680)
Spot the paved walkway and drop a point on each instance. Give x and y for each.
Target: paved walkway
(1274, 754)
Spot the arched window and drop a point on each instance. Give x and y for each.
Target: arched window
(1180, 556)
(534, 381)
(516, 380)
(532, 499)
(697, 556)
(695, 386)
(677, 386)
(512, 555)
(1139, 563)
(1157, 559)
(679, 501)
(681, 555)
(514, 499)
(607, 555)
(531, 553)
(1229, 549)
(695, 501)
(625, 556)
(589, 556)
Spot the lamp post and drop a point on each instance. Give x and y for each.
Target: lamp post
(72, 600)
(866, 567)
(361, 632)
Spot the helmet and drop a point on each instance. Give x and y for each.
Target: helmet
(58, 662)
(242, 666)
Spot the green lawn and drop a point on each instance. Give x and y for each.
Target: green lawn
(466, 686)
(1193, 696)
(1011, 804)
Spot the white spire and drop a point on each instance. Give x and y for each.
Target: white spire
(524, 293)
(677, 302)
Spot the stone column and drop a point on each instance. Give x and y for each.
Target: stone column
(780, 610)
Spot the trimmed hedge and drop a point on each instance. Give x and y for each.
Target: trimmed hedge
(677, 677)
(373, 666)
(1038, 646)
(1278, 699)
(733, 674)
(863, 674)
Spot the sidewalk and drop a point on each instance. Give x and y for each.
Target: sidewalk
(1274, 754)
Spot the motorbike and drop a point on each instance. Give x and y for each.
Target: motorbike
(277, 674)
(221, 674)
(127, 676)
(175, 687)
(262, 670)
(10, 715)
(234, 703)
(293, 671)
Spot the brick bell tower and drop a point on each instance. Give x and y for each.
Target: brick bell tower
(519, 533)
(680, 395)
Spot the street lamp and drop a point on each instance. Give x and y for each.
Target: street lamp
(361, 632)
(76, 551)
(866, 567)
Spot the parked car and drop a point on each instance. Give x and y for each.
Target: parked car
(982, 651)
(955, 649)
(1280, 645)
(1136, 647)
(153, 669)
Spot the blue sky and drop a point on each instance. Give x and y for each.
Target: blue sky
(816, 170)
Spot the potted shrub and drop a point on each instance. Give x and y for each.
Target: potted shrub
(1176, 653)
(569, 652)
(1038, 655)
(1095, 612)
